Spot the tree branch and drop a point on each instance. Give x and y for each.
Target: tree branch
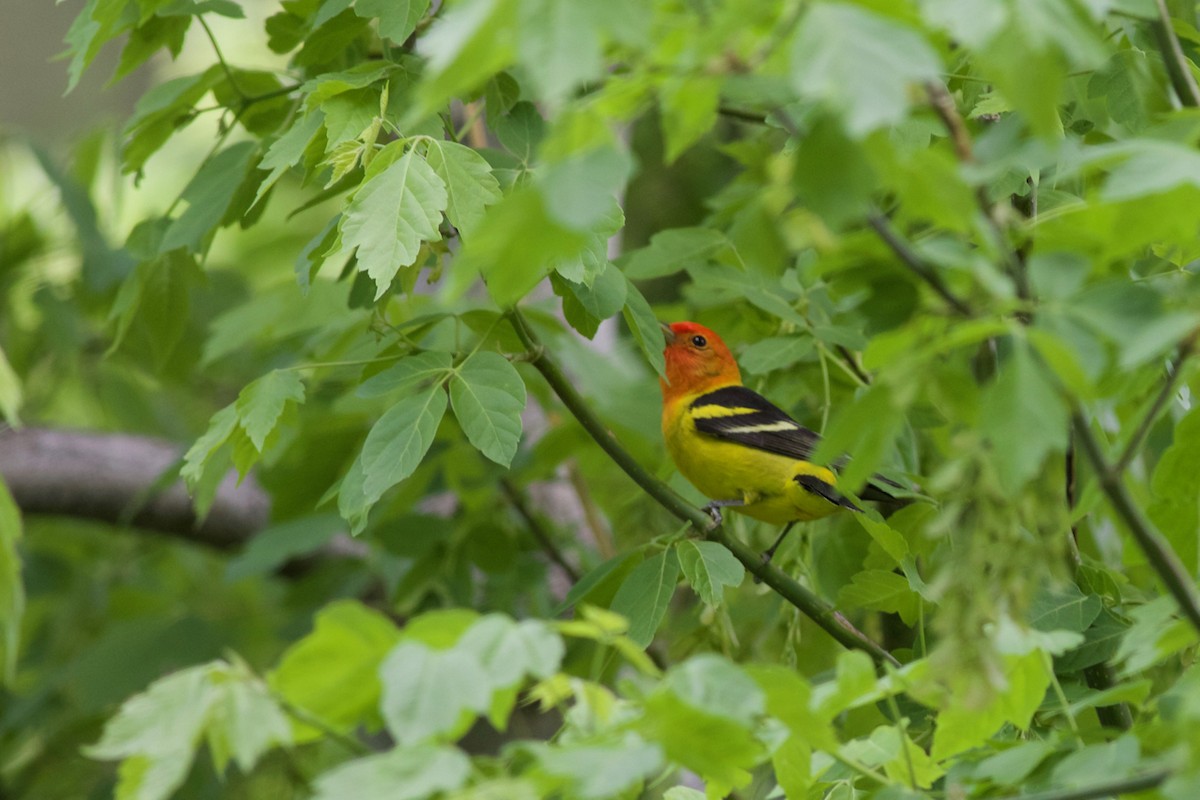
(1168, 388)
(817, 609)
(1157, 551)
(537, 529)
(1137, 783)
(914, 262)
(1178, 68)
(118, 478)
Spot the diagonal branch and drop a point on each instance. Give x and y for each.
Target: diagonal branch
(543, 537)
(1179, 69)
(914, 262)
(1096, 791)
(1156, 549)
(1164, 394)
(817, 609)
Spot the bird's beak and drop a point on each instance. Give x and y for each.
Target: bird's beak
(668, 334)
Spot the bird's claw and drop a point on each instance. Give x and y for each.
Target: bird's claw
(713, 510)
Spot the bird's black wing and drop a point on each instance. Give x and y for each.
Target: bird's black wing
(741, 415)
(737, 414)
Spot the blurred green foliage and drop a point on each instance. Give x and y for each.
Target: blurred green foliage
(955, 236)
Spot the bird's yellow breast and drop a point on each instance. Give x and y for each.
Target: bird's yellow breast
(729, 471)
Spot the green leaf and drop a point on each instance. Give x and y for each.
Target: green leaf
(196, 461)
(689, 110)
(208, 195)
(246, 722)
(618, 565)
(1063, 608)
(674, 249)
(709, 567)
(585, 307)
(158, 731)
(1176, 485)
(1022, 398)
(775, 352)
(701, 716)
(470, 185)
(521, 130)
(431, 693)
(397, 18)
(286, 151)
(881, 590)
(465, 46)
(399, 440)
(332, 672)
(261, 403)
(963, 725)
(892, 541)
(598, 771)
(407, 373)
(488, 396)
(405, 773)
(12, 589)
(1012, 766)
(860, 64)
(579, 189)
(514, 247)
(645, 327)
(273, 547)
(1155, 167)
(645, 594)
(10, 392)
(1113, 759)
(160, 112)
(510, 651)
(391, 214)
(864, 431)
(558, 44)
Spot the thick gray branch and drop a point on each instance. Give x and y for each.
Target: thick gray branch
(110, 477)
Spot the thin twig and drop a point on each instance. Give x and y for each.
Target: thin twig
(536, 529)
(1156, 549)
(221, 58)
(943, 104)
(595, 520)
(1164, 395)
(852, 364)
(745, 116)
(1120, 786)
(914, 262)
(817, 609)
(1179, 69)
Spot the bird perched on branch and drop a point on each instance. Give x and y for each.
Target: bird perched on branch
(738, 448)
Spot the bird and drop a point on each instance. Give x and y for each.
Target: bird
(735, 446)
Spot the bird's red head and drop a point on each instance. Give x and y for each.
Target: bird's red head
(697, 361)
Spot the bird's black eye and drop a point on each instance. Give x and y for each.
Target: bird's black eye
(699, 341)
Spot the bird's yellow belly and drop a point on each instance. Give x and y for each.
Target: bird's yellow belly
(762, 480)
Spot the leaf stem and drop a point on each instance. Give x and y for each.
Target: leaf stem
(221, 58)
(355, 746)
(818, 610)
(914, 262)
(1113, 788)
(1156, 549)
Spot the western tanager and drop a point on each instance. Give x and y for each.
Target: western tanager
(735, 446)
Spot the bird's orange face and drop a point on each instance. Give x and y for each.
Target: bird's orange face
(697, 361)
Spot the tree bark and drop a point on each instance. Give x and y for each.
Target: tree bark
(111, 477)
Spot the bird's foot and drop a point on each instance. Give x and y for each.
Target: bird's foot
(713, 510)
